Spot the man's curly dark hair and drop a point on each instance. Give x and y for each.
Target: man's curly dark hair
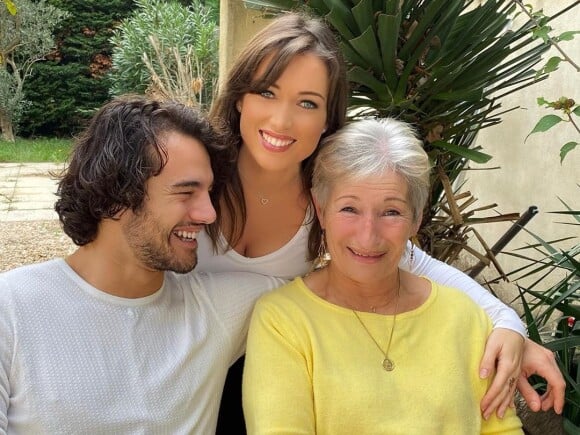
(122, 147)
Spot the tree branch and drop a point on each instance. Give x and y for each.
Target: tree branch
(550, 39)
(570, 118)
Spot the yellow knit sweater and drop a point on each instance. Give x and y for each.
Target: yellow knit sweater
(312, 368)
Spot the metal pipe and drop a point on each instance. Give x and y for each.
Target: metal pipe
(507, 237)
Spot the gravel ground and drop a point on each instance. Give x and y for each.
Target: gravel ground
(31, 242)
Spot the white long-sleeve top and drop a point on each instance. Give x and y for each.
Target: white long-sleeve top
(74, 359)
(291, 261)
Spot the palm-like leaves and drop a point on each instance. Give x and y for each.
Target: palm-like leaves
(552, 311)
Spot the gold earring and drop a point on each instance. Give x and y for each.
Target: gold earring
(412, 254)
(323, 255)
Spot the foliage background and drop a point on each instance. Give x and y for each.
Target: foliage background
(72, 83)
(188, 32)
(65, 89)
(529, 171)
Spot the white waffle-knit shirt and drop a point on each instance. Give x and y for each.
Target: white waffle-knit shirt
(74, 359)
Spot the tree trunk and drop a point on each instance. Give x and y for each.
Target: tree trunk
(6, 127)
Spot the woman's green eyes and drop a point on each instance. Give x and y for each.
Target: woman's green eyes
(306, 104)
(267, 94)
(309, 104)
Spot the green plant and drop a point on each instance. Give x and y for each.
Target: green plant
(35, 150)
(10, 6)
(71, 84)
(160, 42)
(566, 106)
(444, 66)
(549, 289)
(26, 37)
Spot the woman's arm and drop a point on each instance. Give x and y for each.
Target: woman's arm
(501, 315)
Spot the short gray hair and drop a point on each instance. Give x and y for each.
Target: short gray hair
(368, 148)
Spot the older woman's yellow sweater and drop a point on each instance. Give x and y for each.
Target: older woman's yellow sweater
(312, 368)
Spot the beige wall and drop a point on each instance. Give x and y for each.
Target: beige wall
(237, 25)
(530, 172)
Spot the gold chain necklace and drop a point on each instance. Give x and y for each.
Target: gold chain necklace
(388, 363)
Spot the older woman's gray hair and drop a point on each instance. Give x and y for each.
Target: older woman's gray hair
(369, 148)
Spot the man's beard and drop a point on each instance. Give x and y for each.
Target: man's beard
(150, 243)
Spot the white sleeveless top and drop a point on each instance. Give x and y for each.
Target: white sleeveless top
(287, 262)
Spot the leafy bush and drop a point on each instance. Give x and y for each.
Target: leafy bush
(167, 35)
(66, 88)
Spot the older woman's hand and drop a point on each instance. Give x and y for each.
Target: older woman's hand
(541, 361)
(504, 350)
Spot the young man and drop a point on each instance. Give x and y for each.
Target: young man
(118, 337)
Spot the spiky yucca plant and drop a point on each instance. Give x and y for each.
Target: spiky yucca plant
(444, 66)
(549, 287)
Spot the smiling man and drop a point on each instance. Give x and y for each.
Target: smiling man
(119, 337)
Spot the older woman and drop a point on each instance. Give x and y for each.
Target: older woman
(360, 345)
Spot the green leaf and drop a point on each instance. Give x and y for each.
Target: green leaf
(566, 148)
(11, 7)
(388, 30)
(366, 46)
(544, 124)
(542, 101)
(542, 32)
(576, 110)
(460, 95)
(567, 36)
(366, 78)
(552, 64)
(476, 156)
(563, 343)
(340, 17)
(363, 14)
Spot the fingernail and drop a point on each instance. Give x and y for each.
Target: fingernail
(483, 373)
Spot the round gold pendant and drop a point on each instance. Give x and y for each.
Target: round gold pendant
(388, 365)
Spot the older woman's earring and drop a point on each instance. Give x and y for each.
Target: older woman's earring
(323, 255)
(412, 255)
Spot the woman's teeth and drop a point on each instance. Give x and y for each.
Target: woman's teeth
(278, 143)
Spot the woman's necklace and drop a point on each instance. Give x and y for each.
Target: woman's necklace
(388, 363)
